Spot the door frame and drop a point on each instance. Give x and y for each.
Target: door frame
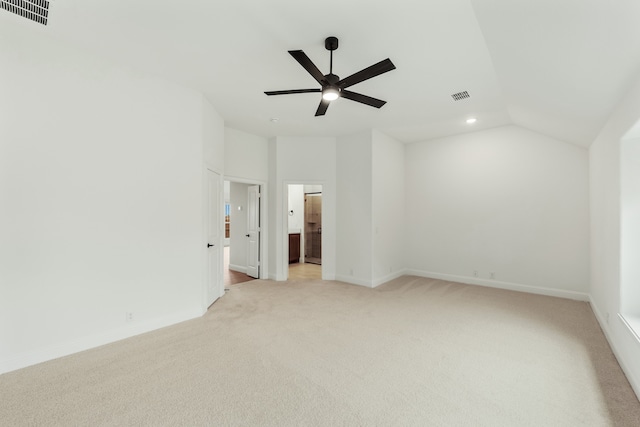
(264, 191)
(285, 226)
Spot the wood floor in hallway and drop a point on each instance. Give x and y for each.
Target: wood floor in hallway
(306, 270)
(233, 277)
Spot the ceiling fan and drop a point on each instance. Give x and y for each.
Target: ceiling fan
(332, 86)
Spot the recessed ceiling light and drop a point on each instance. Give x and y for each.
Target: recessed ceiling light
(471, 120)
(274, 120)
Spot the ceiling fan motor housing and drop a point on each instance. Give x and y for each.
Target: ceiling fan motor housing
(332, 79)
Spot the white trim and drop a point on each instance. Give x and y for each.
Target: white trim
(631, 323)
(238, 268)
(389, 277)
(371, 283)
(354, 281)
(74, 346)
(580, 296)
(244, 180)
(635, 383)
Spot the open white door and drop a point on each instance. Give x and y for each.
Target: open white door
(253, 231)
(214, 241)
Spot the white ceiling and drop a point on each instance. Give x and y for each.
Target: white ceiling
(557, 67)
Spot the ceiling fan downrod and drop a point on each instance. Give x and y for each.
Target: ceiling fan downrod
(331, 44)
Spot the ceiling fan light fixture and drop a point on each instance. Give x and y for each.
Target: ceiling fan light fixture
(330, 94)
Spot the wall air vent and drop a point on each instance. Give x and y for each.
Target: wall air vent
(35, 10)
(460, 96)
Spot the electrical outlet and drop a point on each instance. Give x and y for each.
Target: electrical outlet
(492, 275)
(128, 316)
(475, 273)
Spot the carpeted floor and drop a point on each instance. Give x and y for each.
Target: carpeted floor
(413, 352)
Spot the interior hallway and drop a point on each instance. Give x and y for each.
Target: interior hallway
(232, 277)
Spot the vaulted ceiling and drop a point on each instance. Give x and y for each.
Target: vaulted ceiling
(557, 67)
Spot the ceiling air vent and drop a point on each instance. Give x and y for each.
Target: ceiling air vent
(35, 10)
(460, 96)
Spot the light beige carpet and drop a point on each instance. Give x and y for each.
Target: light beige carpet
(413, 352)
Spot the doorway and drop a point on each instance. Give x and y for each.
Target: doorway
(242, 232)
(304, 231)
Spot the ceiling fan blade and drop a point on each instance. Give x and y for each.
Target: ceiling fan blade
(311, 68)
(369, 72)
(374, 102)
(289, 92)
(322, 108)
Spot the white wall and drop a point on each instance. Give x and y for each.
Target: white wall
(239, 242)
(388, 204)
(245, 156)
(371, 206)
(213, 138)
(604, 162)
(274, 244)
(302, 160)
(354, 213)
(101, 186)
(506, 201)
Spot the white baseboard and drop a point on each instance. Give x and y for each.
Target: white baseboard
(81, 344)
(389, 277)
(371, 283)
(277, 277)
(354, 281)
(580, 296)
(238, 268)
(624, 364)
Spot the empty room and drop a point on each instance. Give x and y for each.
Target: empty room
(458, 180)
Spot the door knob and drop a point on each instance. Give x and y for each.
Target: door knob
(209, 245)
